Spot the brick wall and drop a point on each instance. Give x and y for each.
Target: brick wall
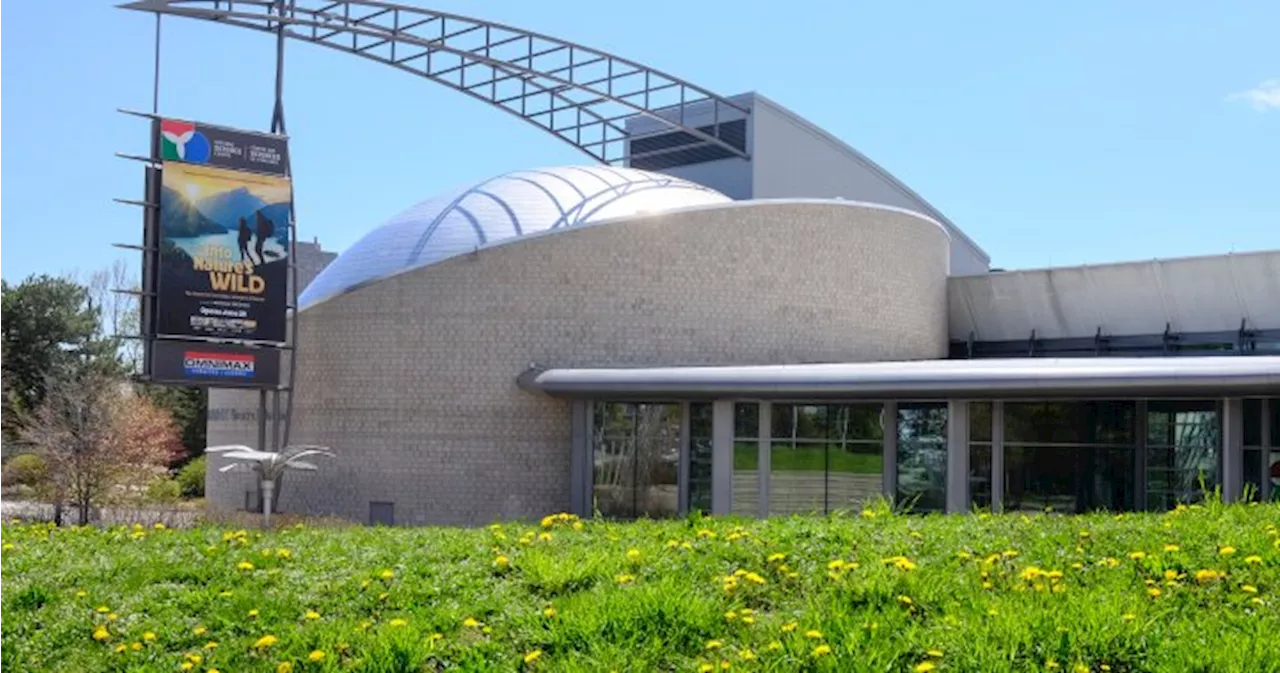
(412, 379)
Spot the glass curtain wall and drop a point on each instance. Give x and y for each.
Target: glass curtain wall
(746, 459)
(1183, 451)
(824, 457)
(980, 454)
(1070, 456)
(700, 456)
(1272, 464)
(922, 456)
(636, 459)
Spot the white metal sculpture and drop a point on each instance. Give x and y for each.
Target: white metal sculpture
(269, 466)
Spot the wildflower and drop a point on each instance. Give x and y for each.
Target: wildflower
(195, 658)
(502, 562)
(135, 646)
(813, 634)
(383, 596)
(789, 627)
(312, 615)
(253, 613)
(1010, 553)
(707, 533)
(1249, 589)
(714, 645)
(1030, 573)
(316, 656)
(625, 579)
(1128, 616)
(753, 578)
(1051, 664)
(211, 645)
(916, 534)
(905, 600)
(387, 574)
(199, 630)
(1172, 548)
(1138, 555)
(548, 521)
(1253, 560)
(1077, 566)
(747, 655)
(433, 637)
(633, 555)
(868, 514)
(397, 623)
(186, 666)
(730, 615)
(285, 667)
(1109, 562)
(549, 613)
(577, 525)
(936, 654)
(748, 620)
(101, 634)
(776, 558)
(102, 609)
(284, 553)
(774, 646)
(224, 594)
(1153, 592)
(532, 656)
(545, 537)
(149, 637)
(835, 565)
(120, 649)
(1205, 576)
(1226, 551)
(925, 666)
(706, 668)
(470, 622)
(244, 565)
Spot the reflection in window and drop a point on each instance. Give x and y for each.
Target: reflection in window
(1183, 440)
(922, 456)
(1070, 456)
(824, 457)
(636, 451)
(746, 459)
(980, 454)
(700, 456)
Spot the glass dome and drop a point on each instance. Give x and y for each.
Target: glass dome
(508, 206)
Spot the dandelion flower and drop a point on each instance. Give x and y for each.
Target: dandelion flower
(545, 537)
(265, 642)
(81, 594)
(387, 574)
(244, 565)
(312, 615)
(186, 666)
(747, 655)
(149, 636)
(577, 525)
(102, 609)
(1153, 592)
(549, 613)
(397, 623)
(211, 645)
(789, 627)
(754, 578)
(1249, 589)
(502, 562)
(936, 654)
(1226, 551)
(925, 667)
(532, 656)
(633, 555)
(1138, 555)
(1172, 548)
(470, 622)
(1204, 576)
(284, 553)
(774, 646)
(1253, 560)
(748, 620)
(101, 634)
(821, 650)
(135, 646)
(777, 558)
(316, 656)
(625, 579)
(905, 600)
(253, 612)
(813, 634)
(730, 615)
(706, 668)
(714, 645)
(120, 649)
(835, 565)
(199, 630)
(1128, 616)
(285, 667)
(868, 514)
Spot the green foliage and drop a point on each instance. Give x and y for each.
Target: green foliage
(884, 592)
(164, 491)
(190, 410)
(27, 469)
(191, 478)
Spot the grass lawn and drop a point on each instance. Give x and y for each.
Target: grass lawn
(747, 457)
(1191, 590)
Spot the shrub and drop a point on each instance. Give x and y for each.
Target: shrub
(191, 478)
(164, 490)
(27, 469)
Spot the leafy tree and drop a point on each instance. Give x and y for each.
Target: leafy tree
(99, 438)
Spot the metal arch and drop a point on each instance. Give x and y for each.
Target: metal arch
(540, 79)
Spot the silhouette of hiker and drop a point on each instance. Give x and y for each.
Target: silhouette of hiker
(265, 229)
(244, 240)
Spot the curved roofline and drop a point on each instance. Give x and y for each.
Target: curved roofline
(750, 203)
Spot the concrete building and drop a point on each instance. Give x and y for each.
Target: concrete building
(796, 331)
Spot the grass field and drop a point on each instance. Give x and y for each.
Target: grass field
(1191, 590)
(747, 457)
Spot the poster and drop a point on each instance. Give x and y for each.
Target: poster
(223, 258)
(195, 143)
(222, 365)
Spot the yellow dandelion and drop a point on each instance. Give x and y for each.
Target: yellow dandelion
(905, 600)
(1226, 551)
(714, 645)
(1249, 589)
(747, 655)
(1051, 664)
(748, 620)
(549, 613)
(149, 637)
(545, 537)
(284, 553)
(577, 525)
(244, 565)
(774, 646)
(625, 579)
(211, 645)
(754, 578)
(265, 642)
(470, 622)
(706, 668)
(1207, 575)
(633, 554)
(397, 623)
(312, 615)
(1253, 560)
(1153, 592)
(101, 634)
(1172, 548)
(925, 666)
(1137, 555)
(387, 574)
(1080, 668)
(102, 609)
(532, 656)
(195, 658)
(868, 514)
(81, 594)
(186, 666)
(316, 656)
(253, 613)
(821, 650)
(285, 667)
(199, 630)
(936, 654)
(120, 649)
(835, 565)
(135, 646)
(730, 615)
(777, 558)
(789, 627)
(501, 562)
(1128, 616)
(813, 634)
(707, 533)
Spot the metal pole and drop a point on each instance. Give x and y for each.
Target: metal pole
(155, 83)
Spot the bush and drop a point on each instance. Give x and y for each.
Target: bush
(191, 479)
(27, 469)
(164, 490)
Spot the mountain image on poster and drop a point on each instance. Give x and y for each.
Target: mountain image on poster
(224, 242)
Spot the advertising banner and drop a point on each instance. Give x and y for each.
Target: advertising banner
(195, 143)
(208, 364)
(223, 258)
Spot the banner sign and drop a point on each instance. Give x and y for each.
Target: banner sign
(211, 364)
(223, 258)
(194, 143)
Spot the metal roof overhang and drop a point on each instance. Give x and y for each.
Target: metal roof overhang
(928, 379)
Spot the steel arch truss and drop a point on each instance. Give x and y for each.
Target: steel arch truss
(581, 95)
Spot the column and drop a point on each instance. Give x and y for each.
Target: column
(764, 460)
(682, 473)
(1232, 448)
(580, 472)
(997, 456)
(889, 423)
(958, 456)
(722, 457)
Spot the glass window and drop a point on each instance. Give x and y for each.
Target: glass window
(1070, 456)
(980, 474)
(700, 415)
(855, 456)
(746, 459)
(922, 456)
(824, 457)
(636, 455)
(1183, 440)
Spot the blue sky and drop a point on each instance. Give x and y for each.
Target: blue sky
(1052, 133)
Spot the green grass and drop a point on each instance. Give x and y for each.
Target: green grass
(747, 457)
(969, 607)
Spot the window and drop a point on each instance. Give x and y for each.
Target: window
(824, 457)
(1183, 440)
(636, 452)
(1070, 456)
(746, 459)
(922, 456)
(980, 454)
(700, 456)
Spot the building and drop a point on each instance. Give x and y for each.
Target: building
(795, 331)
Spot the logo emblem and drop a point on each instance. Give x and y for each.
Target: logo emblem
(180, 141)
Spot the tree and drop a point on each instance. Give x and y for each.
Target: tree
(189, 407)
(99, 438)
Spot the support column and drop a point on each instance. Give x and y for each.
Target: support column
(957, 456)
(997, 456)
(580, 472)
(682, 472)
(765, 457)
(889, 425)
(1232, 448)
(1268, 433)
(722, 457)
(1140, 456)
